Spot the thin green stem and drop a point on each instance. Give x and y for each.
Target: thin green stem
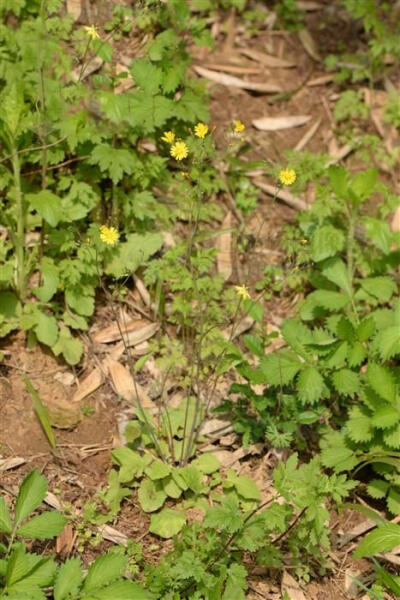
(21, 224)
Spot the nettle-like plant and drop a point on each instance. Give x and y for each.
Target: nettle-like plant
(341, 353)
(74, 159)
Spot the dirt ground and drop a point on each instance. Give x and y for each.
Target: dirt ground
(88, 429)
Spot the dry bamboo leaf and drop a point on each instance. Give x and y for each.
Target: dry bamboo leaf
(291, 587)
(277, 123)
(230, 80)
(309, 44)
(141, 288)
(308, 135)
(211, 427)
(224, 244)
(395, 223)
(308, 5)
(113, 535)
(134, 338)
(351, 577)
(91, 67)
(113, 332)
(125, 386)
(283, 195)
(323, 80)
(11, 463)
(267, 59)
(52, 500)
(125, 83)
(74, 8)
(239, 70)
(88, 385)
(65, 541)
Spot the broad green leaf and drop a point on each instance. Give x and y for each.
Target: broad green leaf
(46, 329)
(310, 385)
(104, 570)
(41, 412)
(9, 305)
(326, 241)
(41, 571)
(247, 488)
(167, 522)
(68, 580)
(50, 279)
(47, 205)
(157, 470)
(385, 417)
(226, 517)
(393, 501)
(280, 367)
(17, 566)
(378, 232)
(207, 463)
(131, 463)
(359, 427)
(364, 182)
(326, 299)
(377, 488)
(146, 75)
(335, 270)
(236, 583)
(171, 488)
(381, 288)
(71, 348)
(133, 253)
(346, 382)
(387, 342)
(339, 180)
(151, 495)
(5, 519)
(382, 381)
(43, 527)
(392, 437)
(194, 479)
(382, 539)
(31, 494)
(116, 162)
(365, 329)
(120, 590)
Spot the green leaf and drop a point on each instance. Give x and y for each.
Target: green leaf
(382, 539)
(50, 279)
(226, 517)
(43, 527)
(381, 288)
(120, 590)
(385, 417)
(151, 495)
(167, 523)
(335, 270)
(116, 162)
(207, 463)
(339, 180)
(236, 583)
(365, 329)
(326, 241)
(80, 300)
(377, 488)
(47, 205)
(387, 342)
(364, 183)
(326, 299)
(5, 519)
(41, 412)
(310, 385)
(254, 344)
(131, 463)
(359, 426)
(356, 354)
(171, 488)
(378, 232)
(158, 470)
(194, 479)
(280, 367)
(71, 348)
(382, 381)
(68, 580)
(346, 382)
(133, 253)
(104, 570)
(46, 329)
(392, 437)
(41, 571)
(246, 487)
(9, 305)
(146, 75)
(31, 494)
(17, 565)
(393, 502)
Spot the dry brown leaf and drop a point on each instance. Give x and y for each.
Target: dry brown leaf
(88, 385)
(309, 5)
(52, 500)
(277, 123)
(395, 223)
(125, 386)
(112, 333)
(11, 463)
(125, 83)
(212, 427)
(291, 587)
(65, 541)
(134, 338)
(308, 135)
(267, 59)
(231, 81)
(239, 70)
(74, 8)
(350, 582)
(224, 244)
(113, 535)
(309, 44)
(91, 67)
(283, 195)
(322, 80)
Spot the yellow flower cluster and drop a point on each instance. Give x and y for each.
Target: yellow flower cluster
(201, 130)
(108, 235)
(238, 126)
(91, 32)
(242, 291)
(179, 150)
(168, 137)
(287, 176)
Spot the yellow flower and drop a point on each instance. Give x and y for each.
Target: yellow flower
(287, 176)
(92, 32)
(108, 235)
(304, 242)
(168, 137)
(179, 150)
(238, 126)
(242, 291)
(201, 130)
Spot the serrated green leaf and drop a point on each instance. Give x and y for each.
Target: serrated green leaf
(226, 517)
(68, 580)
(359, 426)
(17, 565)
(326, 242)
(280, 367)
(346, 382)
(30, 496)
(310, 385)
(5, 519)
(116, 162)
(47, 205)
(120, 590)
(322, 299)
(382, 539)
(335, 270)
(381, 288)
(151, 495)
(167, 523)
(133, 253)
(377, 488)
(393, 502)
(356, 354)
(387, 342)
(385, 417)
(365, 329)
(339, 180)
(41, 571)
(392, 437)
(104, 570)
(382, 381)
(43, 527)
(364, 182)
(41, 412)
(131, 463)
(194, 479)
